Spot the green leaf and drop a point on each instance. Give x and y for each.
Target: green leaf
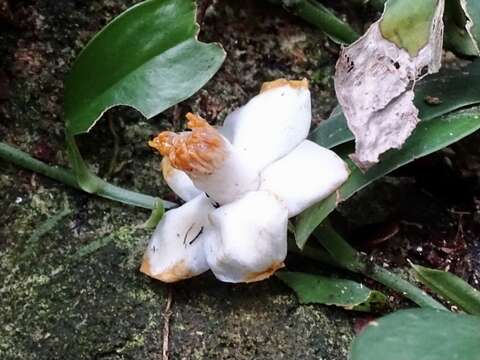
(419, 334)
(317, 289)
(462, 26)
(408, 23)
(456, 36)
(147, 58)
(451, 287)
(318, 15)
(437, 95)
(430, 136)
(472, 11)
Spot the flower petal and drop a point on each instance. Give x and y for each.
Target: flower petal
(208, 158)
(178, 181)
(272, 123)
(251, 238)
(175, 251)
(229, 181)
(307, 175)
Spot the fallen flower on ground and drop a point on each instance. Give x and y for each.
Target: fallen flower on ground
(241, 183)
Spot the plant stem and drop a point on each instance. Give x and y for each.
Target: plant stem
(395, 282)
(94, 185)
(319, 16)
(347, 257)
(67, 177)
(18, 157)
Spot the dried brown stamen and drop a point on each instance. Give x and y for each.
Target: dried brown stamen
(198, 152)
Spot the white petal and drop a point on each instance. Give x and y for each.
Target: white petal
(307, 175)
(209, 160)
(251, 238)
(233, 178)
(179, 182)
(272, 123)
(175, 251)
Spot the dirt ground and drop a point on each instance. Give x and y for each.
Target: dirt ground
(70, 286)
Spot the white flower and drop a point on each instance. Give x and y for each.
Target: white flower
(241, 183)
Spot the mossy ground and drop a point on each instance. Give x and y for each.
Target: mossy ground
(70, 286)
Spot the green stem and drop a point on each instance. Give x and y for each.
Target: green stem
(100, 188)
(348, 258)
(319, 16)
(94, 185)
(18, 157)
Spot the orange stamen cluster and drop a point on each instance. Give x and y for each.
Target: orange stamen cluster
(198, 152)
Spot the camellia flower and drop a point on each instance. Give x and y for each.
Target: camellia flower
(241, 182)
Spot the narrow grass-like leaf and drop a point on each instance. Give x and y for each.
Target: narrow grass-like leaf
(419, 334)
(451, 287)
(344, 255)
(317, 289)
(435, 96)
(430, 136)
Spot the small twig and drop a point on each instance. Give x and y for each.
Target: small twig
(166, 324)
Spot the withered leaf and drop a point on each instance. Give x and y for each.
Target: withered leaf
(375, 77)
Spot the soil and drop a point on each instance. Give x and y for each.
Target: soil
(69, 261)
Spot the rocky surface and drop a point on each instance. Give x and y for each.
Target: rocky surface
(70, 286)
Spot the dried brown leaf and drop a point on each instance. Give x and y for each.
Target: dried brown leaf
(374, 82)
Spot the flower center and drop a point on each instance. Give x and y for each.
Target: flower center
(197, 152)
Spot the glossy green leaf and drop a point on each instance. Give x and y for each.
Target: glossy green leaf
(318, 15)
(317, 289)
(147, 58)
(451, 287)
(419, 334)
(436, 95)
(430, 136)
(408, 23)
